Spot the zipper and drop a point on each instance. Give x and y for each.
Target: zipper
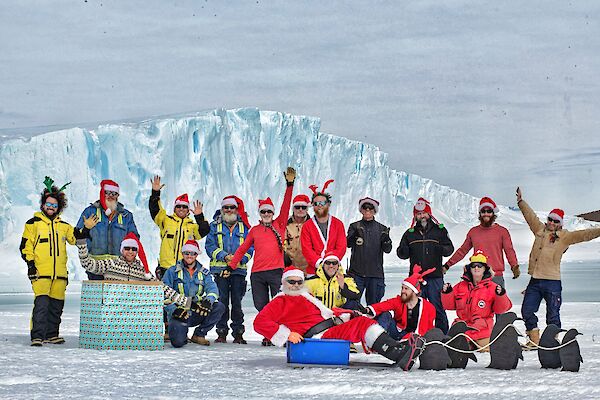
(178, 237)
(51, 252)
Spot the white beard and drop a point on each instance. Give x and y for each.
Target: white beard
(230, 219)
(423, 222)
(286, 290)
(111, 205)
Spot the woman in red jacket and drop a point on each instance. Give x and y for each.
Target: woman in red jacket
(476, 299)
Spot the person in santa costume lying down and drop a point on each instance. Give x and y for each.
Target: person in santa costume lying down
(294, 314)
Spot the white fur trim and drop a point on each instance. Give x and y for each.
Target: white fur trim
(373, 311)
(325, 312)
(368, 200)
(111, 188)
(181, 203)
(410, 286)
(108, 211)
(301, 203)
(148, 276)
(555, 216)
(281, 336)
(372, 333)
(295, 273)
(128, 243)
(489, 205)
(420, 206)
(229, 202)
(191, 247)
(331, 257)
(266, 207)
(345, 317)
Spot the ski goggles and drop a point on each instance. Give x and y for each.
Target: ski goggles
(51, 205)
(321, 203)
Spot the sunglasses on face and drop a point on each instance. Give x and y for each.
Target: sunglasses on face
(294, 282)
(368, 207)
(188, 253)
(322, 203)
(300, 207)
(229, 207)
(486, 211)
(477, 266)
(328, 262)
(554, 220)
(111, 193)
(51, 205)
(266, 212)
(128, 248)
(181, 206)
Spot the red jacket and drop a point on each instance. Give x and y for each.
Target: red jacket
(476, 305)
(314, 246)
(493, 241)
(426, 313)
(267, 254)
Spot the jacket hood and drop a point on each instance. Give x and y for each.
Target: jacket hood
(45, 218)
(468, 276)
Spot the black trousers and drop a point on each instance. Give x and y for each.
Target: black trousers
(46, 317)
(265, 283)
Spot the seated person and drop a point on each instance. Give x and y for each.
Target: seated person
(294, 314)
(411, 312)
(331, 286)
(476, 299)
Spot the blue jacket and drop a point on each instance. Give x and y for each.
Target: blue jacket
(199, 286)
(106, 237)
(221, 242)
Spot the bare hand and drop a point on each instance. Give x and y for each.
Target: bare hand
(340, 278)
(290, 175)
(228, 258)
(519, 194)
(295, 337)
(197, 207)
(90, 222)
(156, 185)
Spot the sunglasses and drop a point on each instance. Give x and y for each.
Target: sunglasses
(294, 282)
(51, 205)
(477, 266)
(266, 212)
(128, 248)
(322, 203)
(486, 211)
(368, 207)
(188, 253)
(301, 207)
(111, 193)
(549, 219)
(229, 207)
(181, 206)
(331, 262)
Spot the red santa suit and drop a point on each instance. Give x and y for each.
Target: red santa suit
(314, 244)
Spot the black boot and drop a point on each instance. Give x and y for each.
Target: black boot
(402, 353)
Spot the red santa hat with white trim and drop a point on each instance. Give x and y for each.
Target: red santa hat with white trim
(414, 281)
(368, 200)
(191, 245)
(266, 204)
(422, 205)
(236, 201)
(557, 214)
(130, 240)
(182, 200)
(301, 200)
(292, 272)
(330, 255)
(487, 202)
(109, 186)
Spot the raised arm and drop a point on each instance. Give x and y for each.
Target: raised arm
(530, 217)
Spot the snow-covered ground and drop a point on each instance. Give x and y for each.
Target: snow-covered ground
(252, 371)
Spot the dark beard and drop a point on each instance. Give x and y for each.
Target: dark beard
(489, 223)
(321, 213)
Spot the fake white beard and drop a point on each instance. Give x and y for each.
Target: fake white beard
(230, 219)
(286, 290)
(423, 222)
(111, 205)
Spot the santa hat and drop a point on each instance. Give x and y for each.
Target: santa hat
(236, 201)
(330, 255)
(557, 214)
(182, 200)
(130, 240)
(413, 282)
(266, 204)
(110, 186)
(301, 200)
(292, 271)
(422, 205)
(191, 245)
(368, 200)
(489, 203)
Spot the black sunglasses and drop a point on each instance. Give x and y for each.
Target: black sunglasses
(301, 207)
(553, 220)
(130, 248)
(486, 211)
(229, 207)
(181, 206)
(294, 282)
(368, 207)
(266, 212)
(328, 262)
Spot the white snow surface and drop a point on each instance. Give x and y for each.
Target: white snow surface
(230, 371)
(213, 154)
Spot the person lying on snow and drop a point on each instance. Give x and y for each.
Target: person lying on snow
(476, 299)
(294, 314)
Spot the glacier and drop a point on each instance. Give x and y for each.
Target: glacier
(210, 155)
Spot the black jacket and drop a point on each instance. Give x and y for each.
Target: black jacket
(367, 258)
(426, 247)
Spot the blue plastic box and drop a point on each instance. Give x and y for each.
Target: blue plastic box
(319, 351)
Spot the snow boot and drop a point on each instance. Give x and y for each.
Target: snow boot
(37, 342)
(237, 338)
(221, 339)
(402, 353)
(201, 340)
(484, 342)
(266, 342)
(55, 340)
(533, 339)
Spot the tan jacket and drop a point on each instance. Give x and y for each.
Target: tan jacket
(545, 256)
(292, 244)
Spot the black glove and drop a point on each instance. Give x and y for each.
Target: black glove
(445, 268)
(500, 291)
(160, 272)
(365, 310)
(181, 314)
(447, 288)
(202, 309)
(226, 273)
(32, 272)
(385, 235)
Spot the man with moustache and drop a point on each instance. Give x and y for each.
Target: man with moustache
(292, 246)
(492, 239)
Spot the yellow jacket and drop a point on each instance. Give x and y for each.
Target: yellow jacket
(174, 232)
(546, 254)
(328, 290)
(45, 243)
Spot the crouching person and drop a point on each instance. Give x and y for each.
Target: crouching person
(295, 314)
(476, 299)
(190, 279)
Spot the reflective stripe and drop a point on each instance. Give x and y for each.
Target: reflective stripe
(99, 215)
(180, 284)
(216, 263)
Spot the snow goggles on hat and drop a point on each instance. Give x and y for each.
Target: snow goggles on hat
(130, 248)
(51, 205)
(295, 281)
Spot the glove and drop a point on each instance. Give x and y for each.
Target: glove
(445, 268)
(385, 235)
(290, 175)
(32, 272)
(226, 273)
(365, 310)
(181, 314)
(295, 337)
(447, 288)
(516, 271)
(500, 291)
(160, 272)
(202, 309)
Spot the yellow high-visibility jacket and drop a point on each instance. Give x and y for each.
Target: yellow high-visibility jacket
(328, 290)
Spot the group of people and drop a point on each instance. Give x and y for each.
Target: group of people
(297, 279)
